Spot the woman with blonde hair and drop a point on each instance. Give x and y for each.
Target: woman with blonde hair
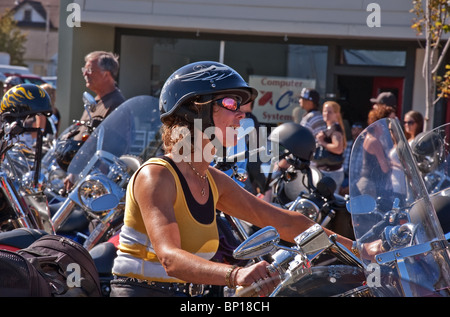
(332, 140)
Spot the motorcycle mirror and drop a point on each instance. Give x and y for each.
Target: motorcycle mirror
(361, 204)
(89, 101)
(241, 175)
(105, 202)
(258, 244)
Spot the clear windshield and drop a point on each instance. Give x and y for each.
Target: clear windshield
(15, 163)
(131, 129)
(431, 150)
(389, 202)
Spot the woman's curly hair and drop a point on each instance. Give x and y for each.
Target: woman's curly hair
(178, 129)
(380, 112)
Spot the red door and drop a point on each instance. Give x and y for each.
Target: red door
(392, 84)
(447, 119)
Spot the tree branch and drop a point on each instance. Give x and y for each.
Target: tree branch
(441, 57)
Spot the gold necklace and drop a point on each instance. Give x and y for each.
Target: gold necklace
(203, 177)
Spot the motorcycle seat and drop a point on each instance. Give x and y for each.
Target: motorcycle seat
(103, 255)
(20, 238)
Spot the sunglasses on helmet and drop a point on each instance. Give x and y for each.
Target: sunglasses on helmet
(229, 103)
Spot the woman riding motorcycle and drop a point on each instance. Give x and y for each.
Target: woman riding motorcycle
(170, 235)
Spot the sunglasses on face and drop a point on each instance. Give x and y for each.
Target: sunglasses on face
(409, 122)
(86, 70)
(229, 103)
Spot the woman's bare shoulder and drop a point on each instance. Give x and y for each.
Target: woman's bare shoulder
(153, 176)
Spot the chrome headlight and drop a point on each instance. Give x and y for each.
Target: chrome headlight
(95, 194)
(307, 208)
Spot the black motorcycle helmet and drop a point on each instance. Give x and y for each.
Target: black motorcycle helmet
(201, 81)
(65, 150)
(296, 139)
(23, 100)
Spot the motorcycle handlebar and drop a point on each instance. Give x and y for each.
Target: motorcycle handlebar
(240, 156)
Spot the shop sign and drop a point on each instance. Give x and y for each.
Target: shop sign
(277, 97)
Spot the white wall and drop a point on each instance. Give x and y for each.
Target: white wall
(344, 19)
(339, 18)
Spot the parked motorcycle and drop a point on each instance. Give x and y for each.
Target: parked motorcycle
(388, 206)
(23, 204)
(431, 150)
(104, 165)
(302, 187)
(92, 212)
(59, 152)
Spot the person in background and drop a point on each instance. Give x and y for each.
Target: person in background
(385, 99)
(379, 112)
(52, 124)
(35, 121)
(100, 73)
(374, 155)
(413, 123)
(10, 82)
(333, 140)
(312, 118)
(356, 129)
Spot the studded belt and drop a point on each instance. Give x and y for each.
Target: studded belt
(186, 288)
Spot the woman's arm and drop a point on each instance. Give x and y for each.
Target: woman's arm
(155, 192)
(239, 203)
(374, 147)
(336, 145)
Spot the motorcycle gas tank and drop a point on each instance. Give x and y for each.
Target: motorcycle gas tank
(328, 281)
(294, 187)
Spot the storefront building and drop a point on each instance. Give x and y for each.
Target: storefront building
(348, 50)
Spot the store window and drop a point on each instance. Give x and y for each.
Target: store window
(373, 58)
(147, 61)
(284, 60)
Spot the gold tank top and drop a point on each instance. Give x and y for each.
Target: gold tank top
(136, 257)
